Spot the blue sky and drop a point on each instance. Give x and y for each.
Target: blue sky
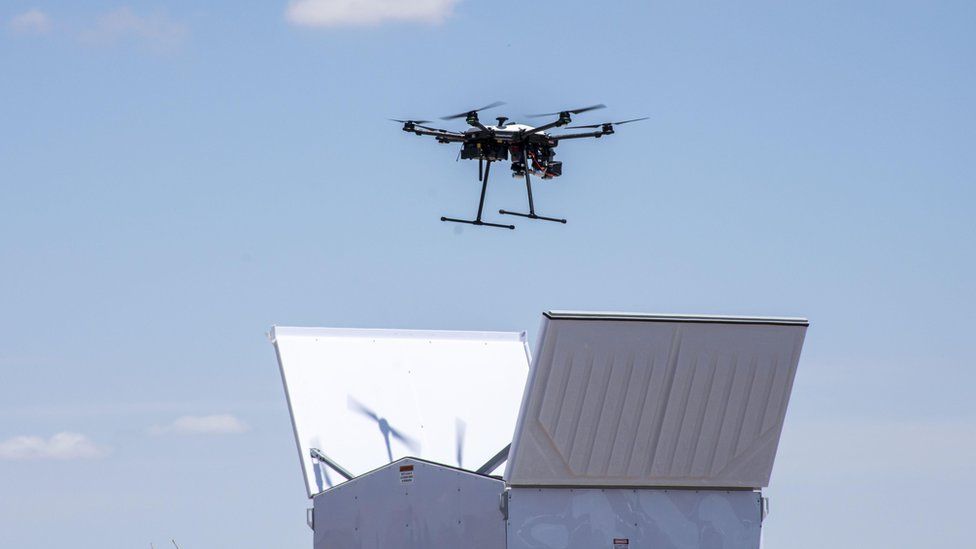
(176, 178)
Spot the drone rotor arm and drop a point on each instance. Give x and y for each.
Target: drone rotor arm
(565, 117)
(428, 128)
(578, 135)
(545, 127)
(443, 136)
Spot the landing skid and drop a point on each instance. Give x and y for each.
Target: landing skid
(481, 203)
(476, 222)
(532, 216)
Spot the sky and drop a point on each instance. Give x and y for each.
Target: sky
(178, 177)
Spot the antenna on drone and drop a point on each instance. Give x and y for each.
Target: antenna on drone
(175, 544)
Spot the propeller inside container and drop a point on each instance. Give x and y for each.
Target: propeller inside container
(385, 428)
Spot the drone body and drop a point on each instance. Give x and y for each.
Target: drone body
(531, 149)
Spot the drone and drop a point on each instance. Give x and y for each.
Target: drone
(531, 149)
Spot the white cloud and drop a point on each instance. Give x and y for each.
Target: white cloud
(156, 31)
(31, 21)
(337, 13)
(218, 424)
(60, 446)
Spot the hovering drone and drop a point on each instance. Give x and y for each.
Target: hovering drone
(531, 149)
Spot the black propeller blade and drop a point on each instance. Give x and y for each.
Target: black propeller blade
(466, 113)
(593, 126)
(571, 111)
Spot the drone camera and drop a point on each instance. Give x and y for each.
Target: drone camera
(554, 168)
(518, 169)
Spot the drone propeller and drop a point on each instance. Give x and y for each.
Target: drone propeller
(408, 121)
(466, 113)
(573, 111)
(592, 126)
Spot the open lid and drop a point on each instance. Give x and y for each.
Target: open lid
(365, 398)
(655, 400)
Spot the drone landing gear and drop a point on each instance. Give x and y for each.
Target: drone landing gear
(531, 215)
(477, 222)
(528, 188)
(481, 205)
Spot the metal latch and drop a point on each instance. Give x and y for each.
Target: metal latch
(503, 504)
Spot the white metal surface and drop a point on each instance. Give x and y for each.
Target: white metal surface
(563, 518)
(655, 400)
(428, 386)
(411, 504)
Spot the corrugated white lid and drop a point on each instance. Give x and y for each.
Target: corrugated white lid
(616, 399)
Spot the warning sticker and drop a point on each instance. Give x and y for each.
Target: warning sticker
(621, 543)
(406, 473)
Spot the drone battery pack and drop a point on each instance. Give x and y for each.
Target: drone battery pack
(488, 150)
(470, 151)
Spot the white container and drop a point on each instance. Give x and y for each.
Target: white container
(411, 504)
(619, 518)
